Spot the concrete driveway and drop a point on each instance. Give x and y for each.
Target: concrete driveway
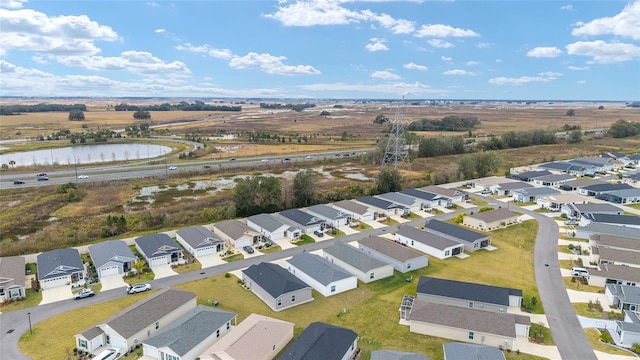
(163, 271)
(56, 294)
(210, 260)
(375, 224)
(285, 244)
(348, 230)
(112, 282)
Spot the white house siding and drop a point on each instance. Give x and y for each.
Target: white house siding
(629, 338)
(55, 282)
(522, 330)
(336, 223)
(160, 260)
(197, 252)
(440, 254)
(378, 273)
(352, 349)
(515, 301)
(368, 216)
(279, 233)
(301, 296)
(109, 270)
(340, 285)
(151, 351)
(403, 267)
(462, 303)
(461, 335)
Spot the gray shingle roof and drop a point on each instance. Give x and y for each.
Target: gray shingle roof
(606, 187)
(494, 215)
(624, 193)
(235, 229)
(460, 351)
(454, 231)
(396, 355)
(191, 329)
(398, 198)
(420, 194)
(626, 293)
(267, 222)
(594, 208)
(354, 257)
(555, 177)
(603, 240)
(564, 166)
(320, 341)
(503, 324)
(199, 237)
(12, 271)
(537, 191)
(92, 333)
(628, 326)
(578, 183)
(615, 230)
(58, 262)
(617, 272)
(301, 217)
(379, 203)
(514, 185)
(619, 256)
(351, 206)
(274, 279)
(614, 219)
(390, 249)
(319, 268)
(156, 245)
(466, 291)
(113, 250)
(528, 175)
(446, 192)
(434, 240)
(327, 212)
(146, 312)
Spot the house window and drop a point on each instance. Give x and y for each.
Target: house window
(170, 357)
(333, 288)
(228, 324)
(411, 242)
(293, 298)
(470, 335)
(108, 339)
(475, 245)
(218, 333)
(371, 275)
(157, 325)
(273, 347)
(82, 343)
(447, 252)
(470, 303)
(279, 302)
(408, 265)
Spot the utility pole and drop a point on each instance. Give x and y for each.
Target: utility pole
(30, 330)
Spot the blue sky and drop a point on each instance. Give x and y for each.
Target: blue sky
(538, 50)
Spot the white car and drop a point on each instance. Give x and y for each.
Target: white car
(173, 168)
(137, 288)
(83, 177)
(264, 160)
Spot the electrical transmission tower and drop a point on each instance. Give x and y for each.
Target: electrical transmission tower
(397, 150)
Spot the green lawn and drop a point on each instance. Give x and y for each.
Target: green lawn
(32, 298)
(414, 216)
(542, 333)
(235, 257)
(270, 249)
(191, 266)
(363, 227)
(635, 206)
(583, 310)
(148, 276)
(304, 240)
(337, 233)
(580, 287)
(390, 221)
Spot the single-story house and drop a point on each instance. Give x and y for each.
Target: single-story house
(472, 240)
(575, 211)
(323, 275)
(563, 167)
(584, 232)
(629, 330)
(303, 221)
(555, 202)
(460, 351)
(624, 257)
(397, 198)
(159, 249)
(363, 266)
(625, 196)
(617, 156)
(331, 216)
(491, 220)
(60, 267)
(382, 207)
(191, 334)
(277, 287)
(529, 176)
(486, 183)
(615, 242)
(200, 241)
(449, 196)
(236, 234)
(272, 228)
(597, 189)
(601, 164)
(396, 355)
(257, 337)
(322, 341)
(553, 180)
(533, 194)
(356, 211)
(614, 274)
(427, 200)
(400, 257)
(113, 257)
(429, 243)
(623, 297)
(506, 189)
(469, 325)
(137, 323)
(631, 221)
(12, 278)
(631, 178)
(468, 295)
(574, 185)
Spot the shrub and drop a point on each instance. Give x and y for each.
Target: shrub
(605, 337)
(571, 247)
(227, 275)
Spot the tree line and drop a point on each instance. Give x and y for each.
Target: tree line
(16, 109)
(294, 107)
(182, 106)
(447, 123)
(623, 128)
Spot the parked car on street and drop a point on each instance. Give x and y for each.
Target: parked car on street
(137, 288)
(248, 249)
(83, 294)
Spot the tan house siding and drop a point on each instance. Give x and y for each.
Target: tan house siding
(462, 335)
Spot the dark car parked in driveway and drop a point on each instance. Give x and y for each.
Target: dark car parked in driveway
(248, 249)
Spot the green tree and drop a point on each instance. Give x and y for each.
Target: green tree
(571, 112)
(487, 163)
(257, 194)
(575, 136)
(380, 119)
(141, 114)
(324, 113)
(305, 188)
(76, 115)
(388, 180)
(12, 163)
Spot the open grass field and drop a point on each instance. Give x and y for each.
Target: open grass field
(371, 310)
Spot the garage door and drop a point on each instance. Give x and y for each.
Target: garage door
(159, 261)
(106, 271)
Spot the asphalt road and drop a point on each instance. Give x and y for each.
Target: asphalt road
(15, 323)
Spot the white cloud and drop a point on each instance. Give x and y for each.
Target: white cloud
(439, 43)
(603, 52)
(139, 62)
(499, 60)
(399, 88)
(517, 81)
(153, 4)
(397, 26)
(484, 45)
(458, 72)
(566, 7)
(472, 63)
(270, 64)
(39, 59)
(626, 23)
(547, 52)
(385, 75)
(206, 49)
(550, 74)
(446, 58)
(412, 66)
(582, 82)
(159, 31)
(12, 4)
(440, 30)
(578, 68)
(376, 44)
